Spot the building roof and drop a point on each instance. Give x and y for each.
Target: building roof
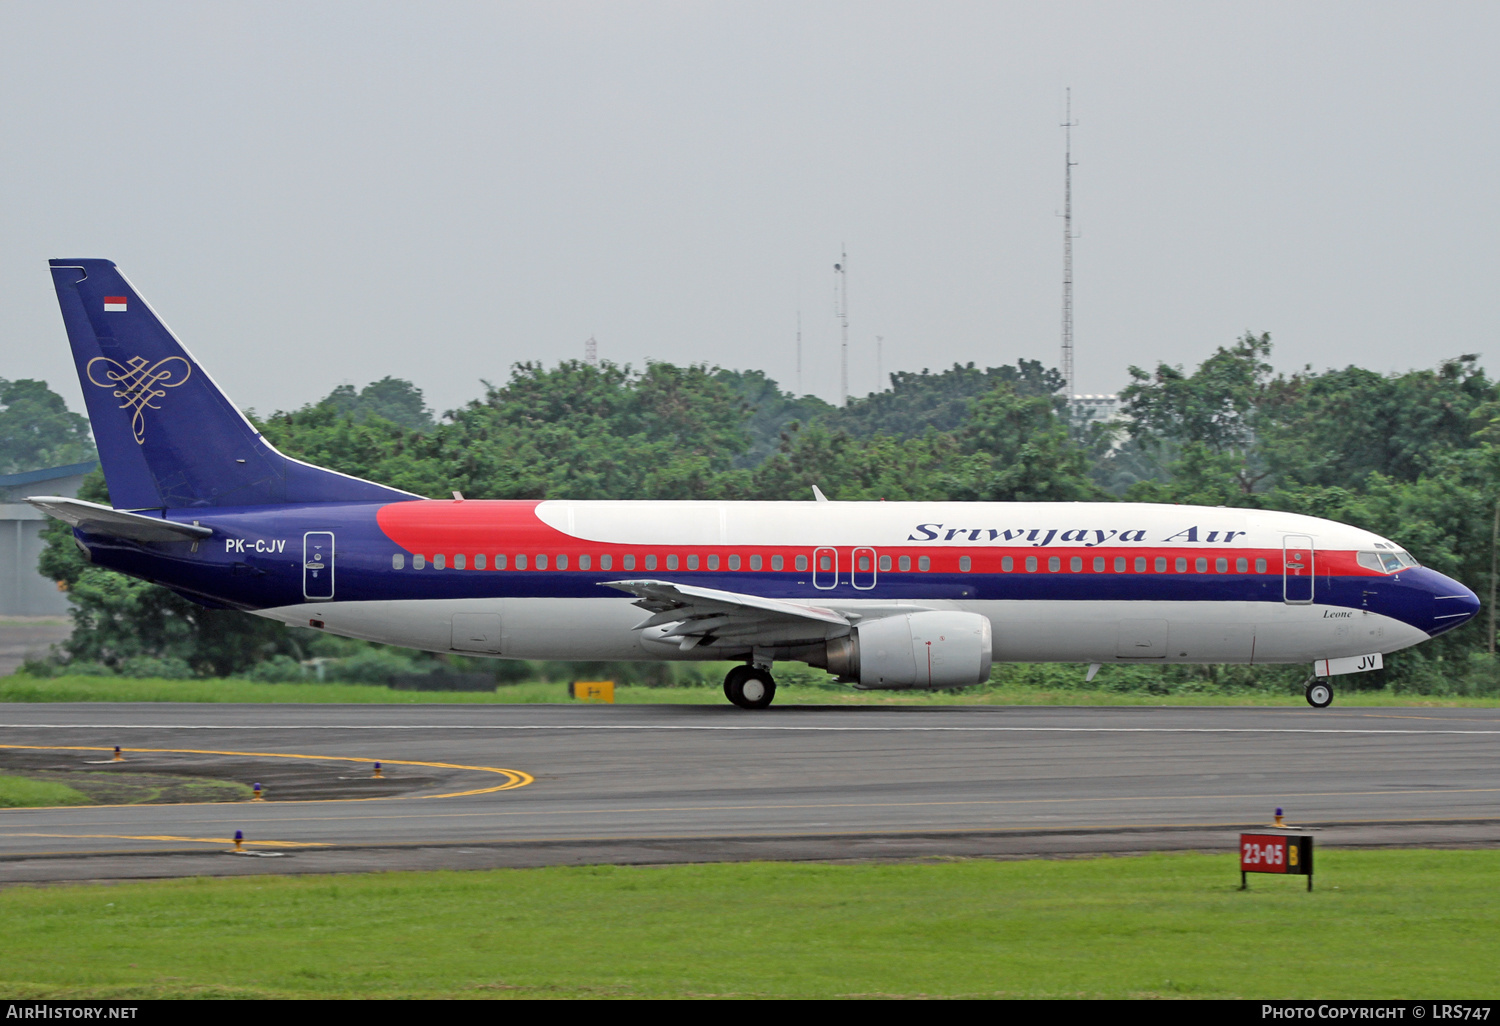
(49, 474)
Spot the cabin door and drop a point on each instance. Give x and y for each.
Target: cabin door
(1297, 569)
(317, 565)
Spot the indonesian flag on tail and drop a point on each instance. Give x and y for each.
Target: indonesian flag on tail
(114, 304)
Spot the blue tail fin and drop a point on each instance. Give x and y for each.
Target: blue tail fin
(167, 436)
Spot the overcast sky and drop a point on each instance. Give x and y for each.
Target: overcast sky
(313, 193)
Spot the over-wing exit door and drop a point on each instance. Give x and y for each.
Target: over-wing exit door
(317, 565)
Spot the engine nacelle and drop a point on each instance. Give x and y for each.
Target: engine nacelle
(937, 648)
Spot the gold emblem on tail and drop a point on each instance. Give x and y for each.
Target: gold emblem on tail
(137, 385)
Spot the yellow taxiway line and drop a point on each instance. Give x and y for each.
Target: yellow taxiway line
(513, 778)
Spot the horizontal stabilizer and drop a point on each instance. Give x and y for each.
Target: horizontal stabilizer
(96, 519)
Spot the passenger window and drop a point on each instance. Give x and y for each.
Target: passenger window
(964, 563)
(692, 563)
(1140, 564)
(606, 562)
(650, 562)
(585, 562)
(885, 562)
(1075, 564)
(924, 564)
(541, 562)
(439, 562)
(1098, 564)
(734, 562)
(459, 562)
(864, 562)
(520, 562)
(479, 561)
(1241, 565)
(905, 563)
(754, 562)
(778, 562)
(562, 562)
(801, 562)
(418, 562)
(1054, 564)
(1201, 565)
(1161, 564)
(672, 562)
(1181, 565)
(825, 562)
(713, 562)
(1221, 566)
(1260, 566)
(628, 562)
(398, 561)
(1007, 564)
(499, 562)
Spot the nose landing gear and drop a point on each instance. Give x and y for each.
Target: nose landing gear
(1319, 693)
(749, 687)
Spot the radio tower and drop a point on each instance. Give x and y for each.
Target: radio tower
(591, 352)
(799, 351)
(1067, 312)
(841, 283)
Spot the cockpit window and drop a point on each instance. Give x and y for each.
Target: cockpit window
(1387, 562)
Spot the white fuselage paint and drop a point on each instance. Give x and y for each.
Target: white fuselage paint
(1073, 630)
(1085, 632)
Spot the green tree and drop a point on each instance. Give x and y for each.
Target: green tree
(941, 401)
(391, 399)
(1338, 428)
(771, 410)
(1019, 448)
(37, 430)
(1216, 408)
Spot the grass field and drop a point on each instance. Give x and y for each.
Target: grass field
(1381, 924)
(24, 792)
(21, 688)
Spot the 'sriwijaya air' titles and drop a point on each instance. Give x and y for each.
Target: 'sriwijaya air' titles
(1040, 536)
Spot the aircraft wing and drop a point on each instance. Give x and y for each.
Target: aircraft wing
(696, 616)
(97, 519)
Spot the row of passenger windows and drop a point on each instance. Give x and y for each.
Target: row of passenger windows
(542, 561)
(1143, 564)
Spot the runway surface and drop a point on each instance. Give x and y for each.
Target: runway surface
(476, 786)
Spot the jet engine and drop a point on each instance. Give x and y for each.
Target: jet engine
(933, 649)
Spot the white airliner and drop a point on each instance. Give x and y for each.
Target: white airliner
(882, 594)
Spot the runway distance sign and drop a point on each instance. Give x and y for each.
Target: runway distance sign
(1287, 854)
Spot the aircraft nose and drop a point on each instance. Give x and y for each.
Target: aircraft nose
(1453, 604)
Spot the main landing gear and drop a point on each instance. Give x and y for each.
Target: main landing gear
(749, 687)
(1319, 693)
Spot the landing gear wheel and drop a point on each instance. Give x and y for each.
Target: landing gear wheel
(734, 680)
(749, 687)
(1319, 694)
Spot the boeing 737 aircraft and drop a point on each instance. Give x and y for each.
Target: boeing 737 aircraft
(882, 594)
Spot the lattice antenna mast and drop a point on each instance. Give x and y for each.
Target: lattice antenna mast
(841, 283)
(1067, 311)
(799, 351)
(591, 352)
